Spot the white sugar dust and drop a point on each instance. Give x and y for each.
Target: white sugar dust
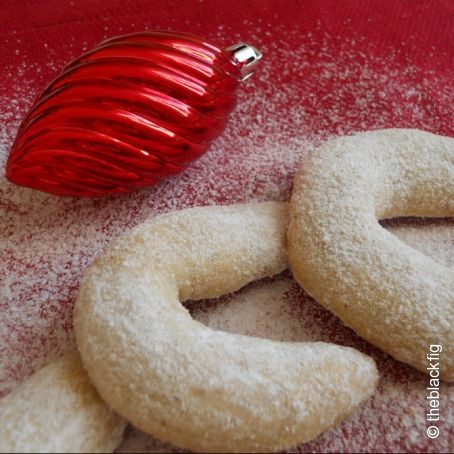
(329, 89)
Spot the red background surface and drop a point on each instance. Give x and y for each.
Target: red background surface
(422, 30)
(38, 37)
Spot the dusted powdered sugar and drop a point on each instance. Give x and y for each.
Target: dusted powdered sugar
(392, 295)
(200, 388)
(46, 243)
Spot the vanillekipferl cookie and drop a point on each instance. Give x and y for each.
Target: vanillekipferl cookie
(188, 384)
(58, 410)
(212, 391)
(392, 295)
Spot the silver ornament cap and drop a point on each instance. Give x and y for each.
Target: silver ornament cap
(245, 57)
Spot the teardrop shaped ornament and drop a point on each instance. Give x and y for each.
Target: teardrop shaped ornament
(133, 110)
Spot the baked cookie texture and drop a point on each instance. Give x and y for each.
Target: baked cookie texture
(185, 383)
(58, 410)
(391, 294)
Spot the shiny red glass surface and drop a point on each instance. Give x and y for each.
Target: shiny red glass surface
(133, 110)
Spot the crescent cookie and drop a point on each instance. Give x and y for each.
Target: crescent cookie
(389, 293)
(58, 410)
(190, 385)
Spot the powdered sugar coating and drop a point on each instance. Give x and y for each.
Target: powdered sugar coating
(58, 410)
(199, 388)
(333, 86)
(392, 295)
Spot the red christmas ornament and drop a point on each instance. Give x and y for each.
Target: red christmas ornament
(128, 113)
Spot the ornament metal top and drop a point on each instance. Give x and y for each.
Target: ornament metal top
(126, 114)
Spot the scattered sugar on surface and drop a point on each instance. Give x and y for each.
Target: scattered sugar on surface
(47, 242)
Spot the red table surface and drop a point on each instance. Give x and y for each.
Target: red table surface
(330, 67)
